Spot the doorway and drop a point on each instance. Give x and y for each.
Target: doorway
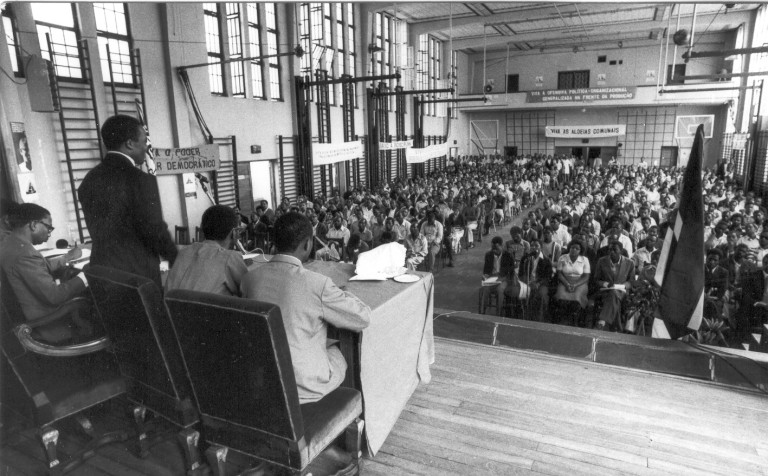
(668, 156)
(260, 184)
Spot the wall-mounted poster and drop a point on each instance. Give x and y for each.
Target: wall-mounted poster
(190, 185)
(539, 81)
(650, 76)
(601, 79)
(21, 146)
(28, 188)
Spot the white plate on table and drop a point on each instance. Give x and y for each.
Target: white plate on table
(407, 278)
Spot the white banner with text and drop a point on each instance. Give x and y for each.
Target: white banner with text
(201, 158)
(394, 145)
(418, 156)
(326, 154)
(586, 131)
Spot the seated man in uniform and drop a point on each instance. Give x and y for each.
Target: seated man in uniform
(211, 266)
(308, 302)
(31, 277)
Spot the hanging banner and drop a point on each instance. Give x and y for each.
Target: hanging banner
(586, 131)
(399, 144)
(584, 94)
(201, 158)
(417, 156)
(326, 154)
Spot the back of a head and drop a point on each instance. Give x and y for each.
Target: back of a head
(218, 221)
(25, 213)
(119, 129)
(290, 231)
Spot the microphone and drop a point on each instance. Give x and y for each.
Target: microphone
(202, 178)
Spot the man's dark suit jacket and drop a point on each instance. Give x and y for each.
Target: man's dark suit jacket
(506, 266)
(122, 209)
(718, 279)
(542, 273)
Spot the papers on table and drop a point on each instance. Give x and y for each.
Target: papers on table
(616, 287)
(53, 252)
(492, 281)
(369, 277)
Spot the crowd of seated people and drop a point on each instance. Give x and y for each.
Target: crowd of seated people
(601, 232)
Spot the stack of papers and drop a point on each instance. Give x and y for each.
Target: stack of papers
(492, 281)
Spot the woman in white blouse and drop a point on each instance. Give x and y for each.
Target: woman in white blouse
(573, 276)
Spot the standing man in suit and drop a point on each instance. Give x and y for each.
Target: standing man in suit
(614, 269)
(30, 277)
(122, 207)
(308, 302)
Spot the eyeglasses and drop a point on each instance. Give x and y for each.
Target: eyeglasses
(49, 227)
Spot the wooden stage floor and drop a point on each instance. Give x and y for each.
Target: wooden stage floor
(491, 410)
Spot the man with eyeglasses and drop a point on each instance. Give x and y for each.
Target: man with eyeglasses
(122, 207)
(29, 276)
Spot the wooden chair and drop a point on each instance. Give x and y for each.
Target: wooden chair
(237, 356)
(53, 382)
(131, 310)
(182, 235)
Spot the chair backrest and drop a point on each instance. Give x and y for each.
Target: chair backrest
(238, 359)
(132, 312)
(182, 235)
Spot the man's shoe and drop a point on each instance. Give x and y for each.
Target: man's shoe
(450, 265)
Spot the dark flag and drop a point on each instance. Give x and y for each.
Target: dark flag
(680, 272)
(149, 163)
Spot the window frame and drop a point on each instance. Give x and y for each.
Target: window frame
(44, 47)
(273, 63)
(12, 39)
(216, 18)
(561, 75)
(128, 38)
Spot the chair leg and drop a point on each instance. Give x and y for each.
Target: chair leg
(139, 418)
(217, 459)
(49, 436)
(189, 440)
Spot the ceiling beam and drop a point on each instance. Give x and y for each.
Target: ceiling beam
(618, 28)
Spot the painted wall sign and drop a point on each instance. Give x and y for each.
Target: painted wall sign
(612, 130)
(417, 156)
(585, 94)
(201, 158)
(394, 145)
(326, 154)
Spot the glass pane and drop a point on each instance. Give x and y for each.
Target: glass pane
(54, 13)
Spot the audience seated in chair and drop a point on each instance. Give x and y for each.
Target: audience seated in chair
(612, 271)
(500, 265)
(416, 247)
(211, 266)
(433, 232)
(573, 272)
(32, 278)
(309, 302)
(535, 275)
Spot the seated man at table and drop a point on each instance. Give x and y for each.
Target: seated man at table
(211, 266)
(31, 277)
(308, 302)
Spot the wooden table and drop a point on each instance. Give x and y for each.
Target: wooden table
(395, 351)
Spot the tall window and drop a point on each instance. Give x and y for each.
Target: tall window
(428, 71)
(57, 20)
(12, 38)
(272, 42)
(235, 49)
(112, 31)
(573, 79)
(213, 46)
(383, 60)
(254, 49)
(327, 35)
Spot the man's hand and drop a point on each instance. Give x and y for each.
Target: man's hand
(74, 253)
(485, 276)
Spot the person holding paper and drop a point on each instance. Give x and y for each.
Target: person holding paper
(32, 278)
(614, 273)
(497, 269)
(416, 248)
